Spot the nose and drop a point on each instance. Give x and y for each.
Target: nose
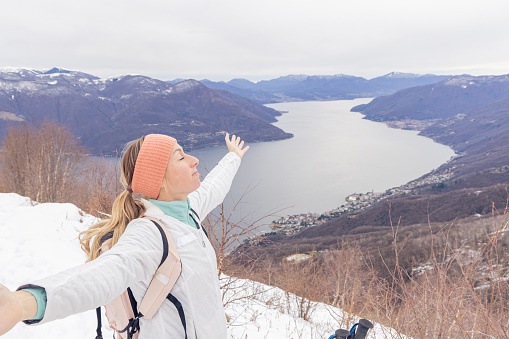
(194, 161)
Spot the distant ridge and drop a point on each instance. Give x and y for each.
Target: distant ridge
(106, 113)
(323, 87)
(445, 99)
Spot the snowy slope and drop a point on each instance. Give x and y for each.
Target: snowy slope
(40, 239)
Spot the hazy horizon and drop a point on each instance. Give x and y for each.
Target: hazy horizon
(11, 68)
(228, 39)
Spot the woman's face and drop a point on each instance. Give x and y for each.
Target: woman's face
(181, 177)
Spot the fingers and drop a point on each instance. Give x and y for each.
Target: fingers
(235, 144)
(235, 140)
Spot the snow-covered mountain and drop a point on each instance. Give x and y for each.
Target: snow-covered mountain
(107, 113)
(41, 239)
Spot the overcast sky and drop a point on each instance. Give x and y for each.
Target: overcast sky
(263, 39)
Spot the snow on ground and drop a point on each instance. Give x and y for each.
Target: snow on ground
(183, 86)
(259, 311)
(400, 75)
(37, 240)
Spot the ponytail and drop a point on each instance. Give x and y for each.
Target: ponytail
(125, 208)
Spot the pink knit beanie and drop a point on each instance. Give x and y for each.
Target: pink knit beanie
(151, 164)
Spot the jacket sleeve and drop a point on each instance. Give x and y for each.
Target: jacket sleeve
(135, 257)
(215, 186)
(40, 297)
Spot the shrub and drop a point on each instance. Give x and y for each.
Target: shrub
(40, 161)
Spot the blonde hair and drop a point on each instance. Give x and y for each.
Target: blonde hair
(125, 208)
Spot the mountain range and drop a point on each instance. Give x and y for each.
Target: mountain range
(106, 113)
(322, 87)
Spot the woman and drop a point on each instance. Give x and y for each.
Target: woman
(156, 167)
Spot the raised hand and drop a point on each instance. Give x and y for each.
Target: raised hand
(235, 145)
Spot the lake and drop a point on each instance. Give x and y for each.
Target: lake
(334, 153)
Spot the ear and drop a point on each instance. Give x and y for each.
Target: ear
(165, 185)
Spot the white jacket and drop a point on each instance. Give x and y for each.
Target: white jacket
(133, 261)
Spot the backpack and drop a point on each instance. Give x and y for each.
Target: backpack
(123, 313)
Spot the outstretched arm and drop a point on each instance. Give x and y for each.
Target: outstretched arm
(217, 183)
(134, 258)
(15, 307)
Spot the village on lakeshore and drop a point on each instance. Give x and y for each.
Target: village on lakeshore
(293, 224)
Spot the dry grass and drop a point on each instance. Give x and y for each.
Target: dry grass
(456, 286)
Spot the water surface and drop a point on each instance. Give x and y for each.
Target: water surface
(334, 153)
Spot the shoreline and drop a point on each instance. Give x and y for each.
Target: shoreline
(356, 202)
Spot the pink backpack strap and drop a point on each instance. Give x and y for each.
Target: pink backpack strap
(165, 277)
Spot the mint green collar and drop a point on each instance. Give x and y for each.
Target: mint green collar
(178, 209)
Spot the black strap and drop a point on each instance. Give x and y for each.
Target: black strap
(107, 236)
(196, 222)
(203, 228)
(132, 327)
(165, 242)
(196, 214)
(99, 324)
(134, 304)
(180, 310)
